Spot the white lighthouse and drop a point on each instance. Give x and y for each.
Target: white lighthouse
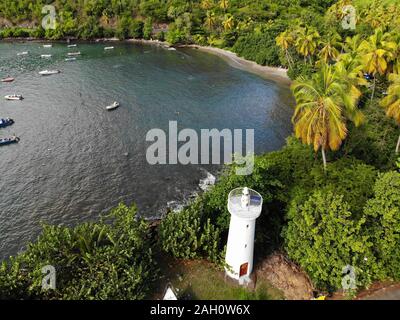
(245, 207)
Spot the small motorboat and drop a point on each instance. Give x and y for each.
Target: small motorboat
(72, 45)
(46, 56)
(171, 49)
(49, 72)
(47, 46)
(6, 122)
(115, 105)
(8, 79)
(6, 141)
(24, 53)
(70, 54)
(108, 48)
(14, 97)
(70, 59)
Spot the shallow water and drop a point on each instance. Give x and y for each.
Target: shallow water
(71, 164)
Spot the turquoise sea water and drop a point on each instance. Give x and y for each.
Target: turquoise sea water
(75, 160)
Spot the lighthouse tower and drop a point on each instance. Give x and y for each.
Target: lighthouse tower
(245, 207)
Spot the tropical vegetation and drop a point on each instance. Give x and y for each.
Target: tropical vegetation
(325, 217)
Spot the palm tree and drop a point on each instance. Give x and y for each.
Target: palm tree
(285, 40)
(307, 42)
(329, 51)
(210, 20)
(207, 4)
(350, 72)
(377, 52)
(391, 102)
(228, 23)
(351, 45)
(320, 113)
(224, 4)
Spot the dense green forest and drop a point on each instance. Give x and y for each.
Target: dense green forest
(331, 195)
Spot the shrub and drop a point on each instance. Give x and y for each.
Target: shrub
(383, 217)
(92, 261)
(323, 237)
(188, 234)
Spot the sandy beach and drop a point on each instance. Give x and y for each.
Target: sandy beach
(271, 73)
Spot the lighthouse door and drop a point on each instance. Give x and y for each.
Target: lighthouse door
(243, 269)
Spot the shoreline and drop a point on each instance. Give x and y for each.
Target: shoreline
(276, 74)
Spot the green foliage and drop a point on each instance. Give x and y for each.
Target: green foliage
(323, 237)
(189, 234)
(148, 28)
(383, 218)
(92, 261)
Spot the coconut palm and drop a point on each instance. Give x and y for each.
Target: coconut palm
(377, 52)
(352, 44)
(224, 4)
(350, 72)
(307, 42)
(210, 20)
(329, 51)
(321, 109)
(285, 40)
(391, 102)
(228, 22)
(207, 4)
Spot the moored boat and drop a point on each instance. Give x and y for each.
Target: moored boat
(72, 45)
(14, 97)
(49, 72)
(70, 59)
(115, 105)
(7, 79)
(45, 56)
(73, 53)
(47, 46)
(6, 122)
(108, 48)
(5, 141)
(24, 53)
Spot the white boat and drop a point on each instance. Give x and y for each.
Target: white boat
(108, 48)
(70, 59)
(115, 105)
(73, 53)
(13, 97)
(24, 53)
(45, 56)
(48, 72)
(72, 45)
(171, 49)
(47, 46)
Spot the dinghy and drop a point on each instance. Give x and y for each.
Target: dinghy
(49, 72)
(6, 141)
(108, 48)
(24, 53)
(70, 54)
(8, 79)
(115, 105)
(72, 45)
(70, 59)
(6, 122)
(47, 46)
(14, 97)
(45, 56)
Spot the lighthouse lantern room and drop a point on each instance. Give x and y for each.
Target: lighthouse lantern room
(245, 207)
